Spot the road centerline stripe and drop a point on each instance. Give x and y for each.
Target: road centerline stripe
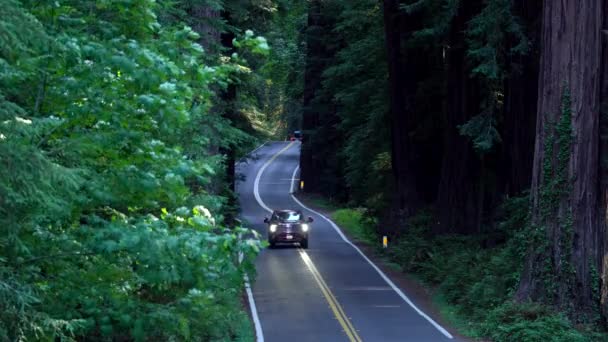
(331, 299)
(325, 290)
(376, 268)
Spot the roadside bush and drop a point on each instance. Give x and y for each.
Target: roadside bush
(472, 278)
(357, 224)
(528, 322)
(412, 249)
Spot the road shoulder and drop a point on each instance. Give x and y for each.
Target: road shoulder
(420, 294)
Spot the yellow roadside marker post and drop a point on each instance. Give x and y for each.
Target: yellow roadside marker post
(384, 241)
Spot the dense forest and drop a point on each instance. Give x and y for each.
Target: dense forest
(120, 122)
(477, 129)
(473, 133)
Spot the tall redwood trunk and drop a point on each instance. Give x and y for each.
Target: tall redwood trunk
(310, 172)
(604, 162)
(321, 164)
(406, 70)
(460, 196)
(521, 87)
(204, 15)
(397, 106)
(565, 184)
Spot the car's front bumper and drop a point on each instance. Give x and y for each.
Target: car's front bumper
(286, 236)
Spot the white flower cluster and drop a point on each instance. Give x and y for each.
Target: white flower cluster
(202, 211)
(22, 120)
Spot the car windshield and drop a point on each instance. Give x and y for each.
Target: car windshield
(288, 216)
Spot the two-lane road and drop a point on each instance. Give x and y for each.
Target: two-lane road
(329, 292)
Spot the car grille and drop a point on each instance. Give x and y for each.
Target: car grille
(287, 228)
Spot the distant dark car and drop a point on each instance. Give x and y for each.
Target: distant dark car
(297, 135)
(288, 226)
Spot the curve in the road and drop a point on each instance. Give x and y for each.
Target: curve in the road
(335, 306)
(287, 289)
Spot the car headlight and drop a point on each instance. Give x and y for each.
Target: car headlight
(304, 227)
(273, 228)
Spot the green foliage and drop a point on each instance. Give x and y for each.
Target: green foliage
(257, 45)
(106, 142)
(481, 129)
(472, 279)
(357, 224)
(556, 187)
(494, 37)
(564, 142)
(438, 18)
(528, 322)
(489, 36)
(558, 137)
(321, 202)
(272, 96)
(356, 83)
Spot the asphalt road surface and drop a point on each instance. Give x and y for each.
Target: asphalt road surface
(329, 292)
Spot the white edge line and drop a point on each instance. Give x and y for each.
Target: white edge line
(256, 185)
(254, 312)
(253, 308)
(258, 176)
(386, 279)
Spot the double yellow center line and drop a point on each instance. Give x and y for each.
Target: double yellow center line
(331, 299)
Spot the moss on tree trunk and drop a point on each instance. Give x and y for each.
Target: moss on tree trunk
(561, 268)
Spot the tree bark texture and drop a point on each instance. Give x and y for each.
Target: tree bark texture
(562, 267)
(414, 120)
(312, 81)
(521, 87)
(203, 24)
(461, 193)
(320, 162)
(400, 107)
(604, 164)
